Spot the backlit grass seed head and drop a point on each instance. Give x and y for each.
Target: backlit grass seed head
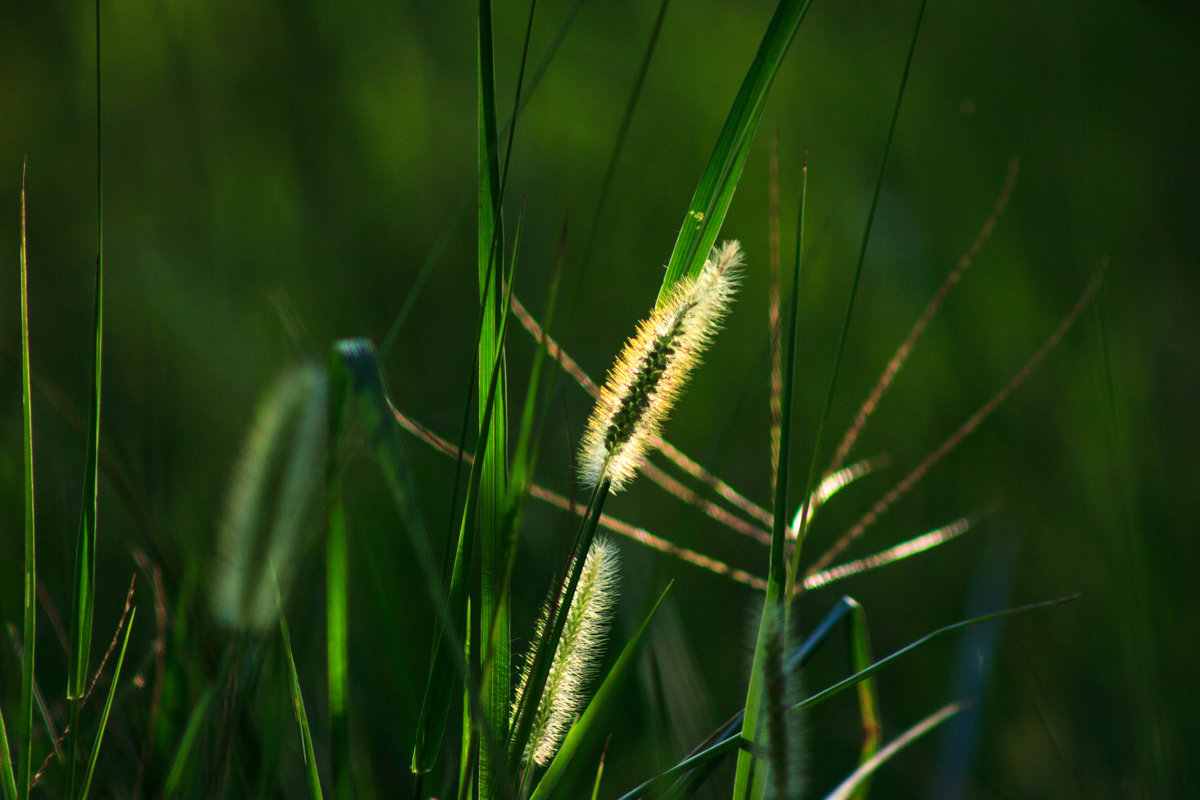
(577, 657)
(653, 368)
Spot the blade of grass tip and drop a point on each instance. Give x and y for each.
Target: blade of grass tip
(539, 669)
(85, 543)
(902, 352)
(587, 729)
(355, 374)
(750, 777)
(436, 704)
(112, 692)
(862, 254)
(964, 430)
(306, 744)
(490, 242)
(856, 784)
(719, 180)
(29, 597)
(863, 674)
(868, 696)
(600, 772)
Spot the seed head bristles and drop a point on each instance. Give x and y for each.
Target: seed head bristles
(652, 369)
(577, 657)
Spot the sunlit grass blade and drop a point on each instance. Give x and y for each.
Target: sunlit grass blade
(306, 743)
(436, 703)
(587, 730)
(856, 783)
(337, 622)
(706, 212)
(862, 255)
(494, 633)
(750, 778)
(29, 595)
(112, 692)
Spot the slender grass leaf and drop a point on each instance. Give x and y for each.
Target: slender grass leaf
(195, 725)
(856, 783)
(719, 180)
(306, 743)
(29, 596)
(8, 783)
(112, 692)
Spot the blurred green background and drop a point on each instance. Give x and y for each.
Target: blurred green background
(275, 174)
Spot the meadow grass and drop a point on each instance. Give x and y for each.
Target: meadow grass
(540, 733)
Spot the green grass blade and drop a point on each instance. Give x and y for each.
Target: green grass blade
(112, 692)
(868, 696)
(29, 597)
(750, 779)
(711, 200)
(494, 632)
(336, 607)
(862, 254)
(310, 759)
(855, 784)
(586, 732)
(355, 375)
(195, 725)
(863, 674)
(8, 783)
(85, 543)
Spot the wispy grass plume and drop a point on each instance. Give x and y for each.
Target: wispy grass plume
(271, 493)
(652, 369)
(577, 657)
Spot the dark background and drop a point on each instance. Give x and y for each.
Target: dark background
(276, 173)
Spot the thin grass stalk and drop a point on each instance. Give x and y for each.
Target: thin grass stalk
(868, 695)
(29, 596)
(862, 255)
(8, 783)
(306, 744)
(112, 692)
(336, 608)
(751, 772)
(85, 543)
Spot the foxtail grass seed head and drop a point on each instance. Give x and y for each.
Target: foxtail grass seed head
(653, 368)
(270, 498)
(577, 657)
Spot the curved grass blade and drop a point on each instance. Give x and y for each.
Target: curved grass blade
(112, 691)
(310, 759)
(8, 783)
(586, 731)
(719, 180)
(29, 599)
(856, 783)
(176, 773)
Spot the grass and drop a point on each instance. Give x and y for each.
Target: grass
(339, 482)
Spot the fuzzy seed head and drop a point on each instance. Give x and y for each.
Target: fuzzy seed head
(653, 368)
(577, 657)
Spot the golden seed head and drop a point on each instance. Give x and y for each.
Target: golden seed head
(653, 367)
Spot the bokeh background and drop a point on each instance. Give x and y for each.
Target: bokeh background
(275, 175)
